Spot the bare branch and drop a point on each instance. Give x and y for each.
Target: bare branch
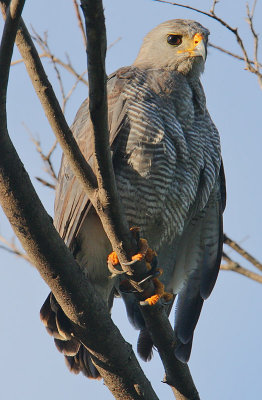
(11, 247)
(177, 373)
(45, 183)
(253, 9)
(69, 94)
(20, 61)
(230, 53)
(54, 261)
(242, 252)
(208, 14)
(46, 158)
(236, 267)
(49, 169)
(43, 43)
(212, 10)
(114, 43)
(250, 16)
(116, 224)
(68, 66)
(80, 22)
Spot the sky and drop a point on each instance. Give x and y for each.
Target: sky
(226, 357)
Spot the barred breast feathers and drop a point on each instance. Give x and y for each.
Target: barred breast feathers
(166, 143)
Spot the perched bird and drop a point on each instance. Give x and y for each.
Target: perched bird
(167, 162)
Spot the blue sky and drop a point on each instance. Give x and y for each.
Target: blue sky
(226, 357)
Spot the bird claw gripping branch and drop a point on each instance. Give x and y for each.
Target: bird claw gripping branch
(150, 257)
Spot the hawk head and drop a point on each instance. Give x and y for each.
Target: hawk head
(178, 44)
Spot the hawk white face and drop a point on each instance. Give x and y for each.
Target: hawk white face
(177, 45)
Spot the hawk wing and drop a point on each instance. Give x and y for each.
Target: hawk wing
(201, 248)
(71, 202)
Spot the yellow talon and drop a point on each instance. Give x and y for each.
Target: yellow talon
(153, 299)
(112, 257)
(137, 257)
(148, 254)
(160, 293)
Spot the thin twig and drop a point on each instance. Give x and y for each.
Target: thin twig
(230, 242)
(11, 247)
(49, 168)
(230, 53)
(20, 61)
(43, 43)
(250, 16)
(49, 154)
(212, 10)
(80, 22)
(67, 66)
(45, 183)
(114, 43)
(253, 9)
(69, 94)
(236, 267)
(208, 14)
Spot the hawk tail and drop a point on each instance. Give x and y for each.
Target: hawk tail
(77, 357)
(145, 345)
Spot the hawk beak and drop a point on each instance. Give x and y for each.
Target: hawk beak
(199, 48)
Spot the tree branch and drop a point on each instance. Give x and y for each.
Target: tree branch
(236, 267)
(230, 53)
(80, 22)
(108, 200)
(177, 373)
(113, 356)
(11, 247)
(242, 252)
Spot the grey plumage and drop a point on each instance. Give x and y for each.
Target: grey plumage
(167, 162)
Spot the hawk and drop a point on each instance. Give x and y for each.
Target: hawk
(167, 161)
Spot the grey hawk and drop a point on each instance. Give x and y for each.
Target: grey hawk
(167, 162)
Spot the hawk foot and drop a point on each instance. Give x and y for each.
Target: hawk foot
(159, 293)
(144, 253)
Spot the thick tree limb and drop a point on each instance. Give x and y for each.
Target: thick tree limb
(177, 373)
(56, 264)
(108, 199)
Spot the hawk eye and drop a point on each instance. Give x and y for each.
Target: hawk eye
(174, 40)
